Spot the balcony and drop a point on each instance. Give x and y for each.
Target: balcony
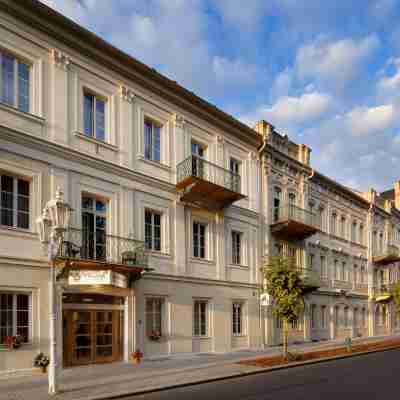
(207, 185)
(311, 279)
(292, 222)
(383, 292)
(82, 249)
(389, 254)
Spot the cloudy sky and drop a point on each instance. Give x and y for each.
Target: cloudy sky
(327, 73)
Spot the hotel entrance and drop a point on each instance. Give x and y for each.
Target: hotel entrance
(92, 329)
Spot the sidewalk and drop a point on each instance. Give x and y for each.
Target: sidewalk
(106, 380)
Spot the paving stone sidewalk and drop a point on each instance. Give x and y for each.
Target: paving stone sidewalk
(102, 381)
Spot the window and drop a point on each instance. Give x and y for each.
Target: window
(313, 315)
(277, 203)
(355, 317)
(94, 222)
(14, 316)
(236, 248)
(333, 224)
(152, 140)
(14, 82)
(380, 245)
(344, 275)
(361, 235)
(362, 277)
(197, 150)
(354, 231)
(355, 274)
(321, 218)
(337, 271)
(323, 316)
(279, 323)
(235, 167)
(94, 116)
(346, 317)
(237, 325)
(153, 316)
(200, 318)
(336, 316)
(364, 318)
(343, 227)
(311, 260)
(324, 271)
(152, 230)
(199, 240)
(14, 202)
(295, 324)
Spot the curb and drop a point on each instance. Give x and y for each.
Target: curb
(235, 375)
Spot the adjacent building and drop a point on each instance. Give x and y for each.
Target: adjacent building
(176, 204)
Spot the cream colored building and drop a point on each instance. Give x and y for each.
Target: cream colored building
(147, 165)
(142, 161)
(346, 244)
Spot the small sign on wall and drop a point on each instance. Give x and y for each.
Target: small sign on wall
(90, 277)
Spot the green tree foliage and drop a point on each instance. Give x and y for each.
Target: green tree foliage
(286, 286)
(396, 296)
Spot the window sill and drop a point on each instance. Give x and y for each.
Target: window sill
(201, 261)
(154, 163)
(23, 114)
(201, 337)
(158, 254)
(242, 335)
(89, 139)
(10, 230)
(239, 266)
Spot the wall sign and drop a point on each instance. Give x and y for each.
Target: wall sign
(90, 277)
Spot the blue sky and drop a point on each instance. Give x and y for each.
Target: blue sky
(327, 73)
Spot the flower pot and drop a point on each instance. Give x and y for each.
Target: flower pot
(136, 360)
(43, 369)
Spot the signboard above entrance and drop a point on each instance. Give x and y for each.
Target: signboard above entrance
(90, 277)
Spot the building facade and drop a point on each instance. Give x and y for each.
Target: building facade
(159, 178)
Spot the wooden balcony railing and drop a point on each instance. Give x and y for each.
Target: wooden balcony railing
(206, 184)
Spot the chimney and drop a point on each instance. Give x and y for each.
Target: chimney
(265, 129)
(304, 154)
(397, 195)
(371, 196)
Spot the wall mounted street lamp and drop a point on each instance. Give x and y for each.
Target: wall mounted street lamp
(52, 225)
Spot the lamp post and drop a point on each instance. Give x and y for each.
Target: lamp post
(52, 225)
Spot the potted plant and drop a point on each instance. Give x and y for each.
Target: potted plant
(41, 361)
(13, 342)
(136, 356)
(155, 335)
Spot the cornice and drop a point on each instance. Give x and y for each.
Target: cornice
(50, 22)
(69, 154)
(269, 148)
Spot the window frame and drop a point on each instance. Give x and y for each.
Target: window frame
(197, 309)
(150, 155)
(235, 166)
(156, 315)
(196, 240)
(15, 201)
(17, 61)
(237, 247)
(14, 313)
(153, 227)
(95, 99)
(238, 328)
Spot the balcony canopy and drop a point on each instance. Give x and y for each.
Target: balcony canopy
(207, 185)
(388, 255)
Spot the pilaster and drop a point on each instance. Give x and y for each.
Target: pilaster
(126, 126)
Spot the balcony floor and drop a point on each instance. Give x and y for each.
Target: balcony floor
(386, 259)
(207, 194)
(291, 229)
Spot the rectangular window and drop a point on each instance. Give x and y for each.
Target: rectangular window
(14, 82)
(152, 229)
(200, 318)
(236, 248)
(313, 316)
(311, 260)
(14, 202)
(344, 275)
(94, 116)
(154, 316)
(337, 271)
(152, 141)
(354, 232)
(237, 325)
(235, 167)
(323, 268)
(343, 227)
(323, 316)
(94, 223)
(199, 240)
(333, 224)
(346, 317)
(14, 316)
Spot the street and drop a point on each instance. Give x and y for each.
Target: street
(367, 377)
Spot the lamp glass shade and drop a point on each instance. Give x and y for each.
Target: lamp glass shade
(44, 227)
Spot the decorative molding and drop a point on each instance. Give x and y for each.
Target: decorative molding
(252, 156)
(220, 140)
(60, 59)
(178, 120)
(127, 94)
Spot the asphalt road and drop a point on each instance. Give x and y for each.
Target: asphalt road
(369, 377)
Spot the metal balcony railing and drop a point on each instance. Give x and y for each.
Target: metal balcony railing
(291, 212)
(383, 289)
(197, 167)
(388, 254)
(86, 245)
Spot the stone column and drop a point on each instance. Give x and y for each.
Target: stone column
(332, 326)
(371, 318)
(307, 323)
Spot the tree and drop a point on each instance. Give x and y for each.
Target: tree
(286, 286)
(396, 296)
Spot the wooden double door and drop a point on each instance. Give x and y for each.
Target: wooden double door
(91, 336)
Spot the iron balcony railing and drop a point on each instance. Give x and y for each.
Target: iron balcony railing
(390, 250)
(294, 213)
(98, 246)
(197, 167)
(383, 289)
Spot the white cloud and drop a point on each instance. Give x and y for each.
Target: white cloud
(233, 72)
(144, 30)
(282, 84)
(365, 121)
(390, 84)
(337, 62)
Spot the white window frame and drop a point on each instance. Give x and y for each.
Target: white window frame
(198, 244)
(14, 327)
(197, 304)
(235, 166)
(237, 251)
(16, 60)
(96, 98)
(15, 208)
(323, 316)
(238, 328)
(155, 315)
(153, 226)
(324, 271)
(153, 123)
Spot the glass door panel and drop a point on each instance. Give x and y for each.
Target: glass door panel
(82, 336)
(104, 335)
